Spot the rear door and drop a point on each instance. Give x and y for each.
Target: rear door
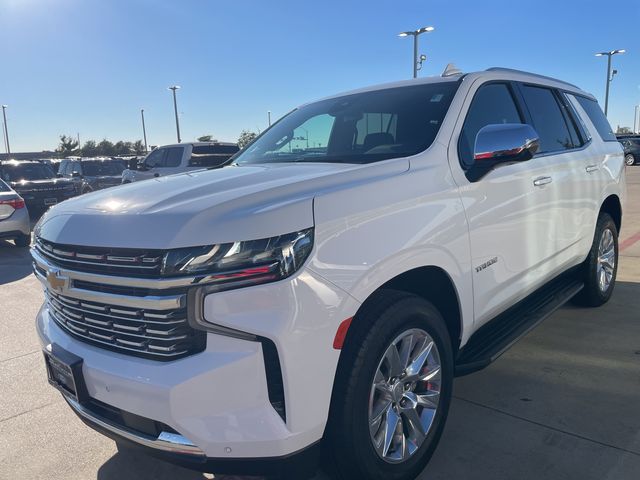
(562, 145)
(509, 217)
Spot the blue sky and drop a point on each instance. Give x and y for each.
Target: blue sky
(88, 66)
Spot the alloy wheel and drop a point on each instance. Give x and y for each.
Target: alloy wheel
(606, 260)
(629, 160)
(404, 396)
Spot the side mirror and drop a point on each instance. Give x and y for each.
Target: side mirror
(502, 143)
(59, 175)
(75, 174)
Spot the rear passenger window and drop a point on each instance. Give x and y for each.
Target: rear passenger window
(547, 119)
(597, 118)
(492, 104)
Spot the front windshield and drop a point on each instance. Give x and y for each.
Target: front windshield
(27, 171)
(359, 128)
(100, 168)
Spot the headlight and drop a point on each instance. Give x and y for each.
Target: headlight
(246, 263)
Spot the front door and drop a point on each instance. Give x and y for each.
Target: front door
(508, 210)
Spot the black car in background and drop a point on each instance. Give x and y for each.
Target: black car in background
(89, 174)
(631, 145)
(36, 183)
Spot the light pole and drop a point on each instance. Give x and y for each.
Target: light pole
(269, 116)
(636, 120)
(6, 129)
(609, 75)
(175, 109)
(415, 34)
(144, 131)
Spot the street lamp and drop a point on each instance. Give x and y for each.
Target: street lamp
(144, 131)
(175, 109)
(269, 117)
(609, 74)
(415, 34)
(6, 129)
(636, 120)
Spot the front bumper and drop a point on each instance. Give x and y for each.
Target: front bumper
(219, 399)
(175, 448)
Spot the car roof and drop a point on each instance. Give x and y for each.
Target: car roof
(493, 73)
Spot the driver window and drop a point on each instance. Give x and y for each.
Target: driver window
(155, 158)
(492, 104)
(173, 157)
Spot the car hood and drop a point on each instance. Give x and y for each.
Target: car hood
(201, 207)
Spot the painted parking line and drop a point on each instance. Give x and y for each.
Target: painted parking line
(630, 241)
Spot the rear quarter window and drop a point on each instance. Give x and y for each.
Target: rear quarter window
(597, 117)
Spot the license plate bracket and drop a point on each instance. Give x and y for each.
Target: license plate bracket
(64, 372)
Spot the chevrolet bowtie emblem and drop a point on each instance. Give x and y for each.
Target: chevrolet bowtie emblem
(56, 282)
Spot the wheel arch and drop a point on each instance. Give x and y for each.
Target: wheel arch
(433, 284)
(429, 282)
(612, 206)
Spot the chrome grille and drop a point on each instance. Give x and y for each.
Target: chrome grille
(148, 333)
(143, 317)
(107, 261)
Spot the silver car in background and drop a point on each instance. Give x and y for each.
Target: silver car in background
(14, 217)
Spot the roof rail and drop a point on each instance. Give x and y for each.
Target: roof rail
(513, 70)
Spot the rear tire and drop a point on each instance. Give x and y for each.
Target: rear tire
(629, 160)
(600, 269)
(23, 241)
(370, 397)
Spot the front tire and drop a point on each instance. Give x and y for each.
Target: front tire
(601, 266)
(629, 160)
(393, 390)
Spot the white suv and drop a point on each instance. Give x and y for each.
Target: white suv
(180, 158)
(322, 292)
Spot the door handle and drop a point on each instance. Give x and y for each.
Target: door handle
(156, 175)
(540, 181)
(592, 168)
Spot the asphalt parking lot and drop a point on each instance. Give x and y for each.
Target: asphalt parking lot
(562, 404)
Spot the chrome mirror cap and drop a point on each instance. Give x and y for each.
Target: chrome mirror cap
(506, 143)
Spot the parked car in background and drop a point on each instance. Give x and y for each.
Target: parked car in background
(36, 183)
(14, 217)
(181, 157)
(89, 174)
(631, 145)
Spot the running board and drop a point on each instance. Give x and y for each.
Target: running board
(501, 333)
